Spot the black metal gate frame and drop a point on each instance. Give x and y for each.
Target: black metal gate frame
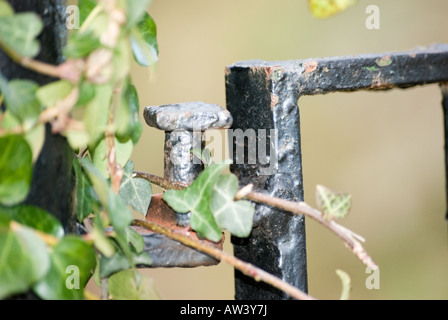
(265, 95)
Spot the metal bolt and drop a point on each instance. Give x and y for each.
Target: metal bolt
(185, 125)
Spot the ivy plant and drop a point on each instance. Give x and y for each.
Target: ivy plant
(94, 83)
(94, 104)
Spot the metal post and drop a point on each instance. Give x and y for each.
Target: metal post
(258, 100)
(264, 95)
(444, 89)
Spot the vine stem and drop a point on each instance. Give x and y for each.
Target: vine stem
(161, 182)
(350, 239)
(247, 268)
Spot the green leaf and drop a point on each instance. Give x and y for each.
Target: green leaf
(121, 60)
(136, 240)
(235, 216)
(127, 118)
(77, 138)
(18, 33)
(125, 286)
(36, 139)
(5, 9)
(327, 8)
(85, 197)
(86, 93)
(135, 192)
(346, 287)
(81, 44)
(85, 8)
(103, 243)
(96, 113)
(196, 198)
(203, 155)
(72, 261)
(333, 204)
(35, 136)
(35, 218)
(144, 42)
(20, 99)
(123, 153)
(51, 93)
(120, 261)
(23, 258)
(136, 10)
(15, 169)
(119, 214)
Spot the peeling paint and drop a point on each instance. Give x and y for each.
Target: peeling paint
(310, 66)
(384, 61)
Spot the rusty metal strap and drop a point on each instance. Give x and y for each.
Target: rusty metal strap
(422, 65)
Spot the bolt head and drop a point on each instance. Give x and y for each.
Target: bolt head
(189, 116)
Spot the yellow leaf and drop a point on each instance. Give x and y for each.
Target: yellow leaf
(327, 8)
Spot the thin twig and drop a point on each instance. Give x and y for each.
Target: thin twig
(303, 208)
(159, 181)
(246, 268)
(115, 170)
(349, 238)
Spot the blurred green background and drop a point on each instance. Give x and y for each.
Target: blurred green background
(385, 148)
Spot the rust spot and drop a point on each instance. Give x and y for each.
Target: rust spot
(160, 213)
(378, 84)
(384, 61)
(274, 100)
(310, 66)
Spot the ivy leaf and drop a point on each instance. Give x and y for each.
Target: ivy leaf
(123, 153)
(84, 193)
(136, 10)
(35, 136)
(127, 118)
(85, 8)
(346, 287)
(20, 99)
(135, 192)
(36, 218)
(144, 42)
(5, 9)
(51, 93)
(86, 93)
(97, 113)
(81, 44)
(24, 258)
(333, 204)
(120, 261)
(327, 8)
(15, 169)
(196, 198)
(119, 214)
(72, 261)
(235, 216)
(131, 285)
(18, 33)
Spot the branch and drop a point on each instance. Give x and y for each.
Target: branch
(70, 70)
(350, 239)
(161, 182)
(247, 268)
